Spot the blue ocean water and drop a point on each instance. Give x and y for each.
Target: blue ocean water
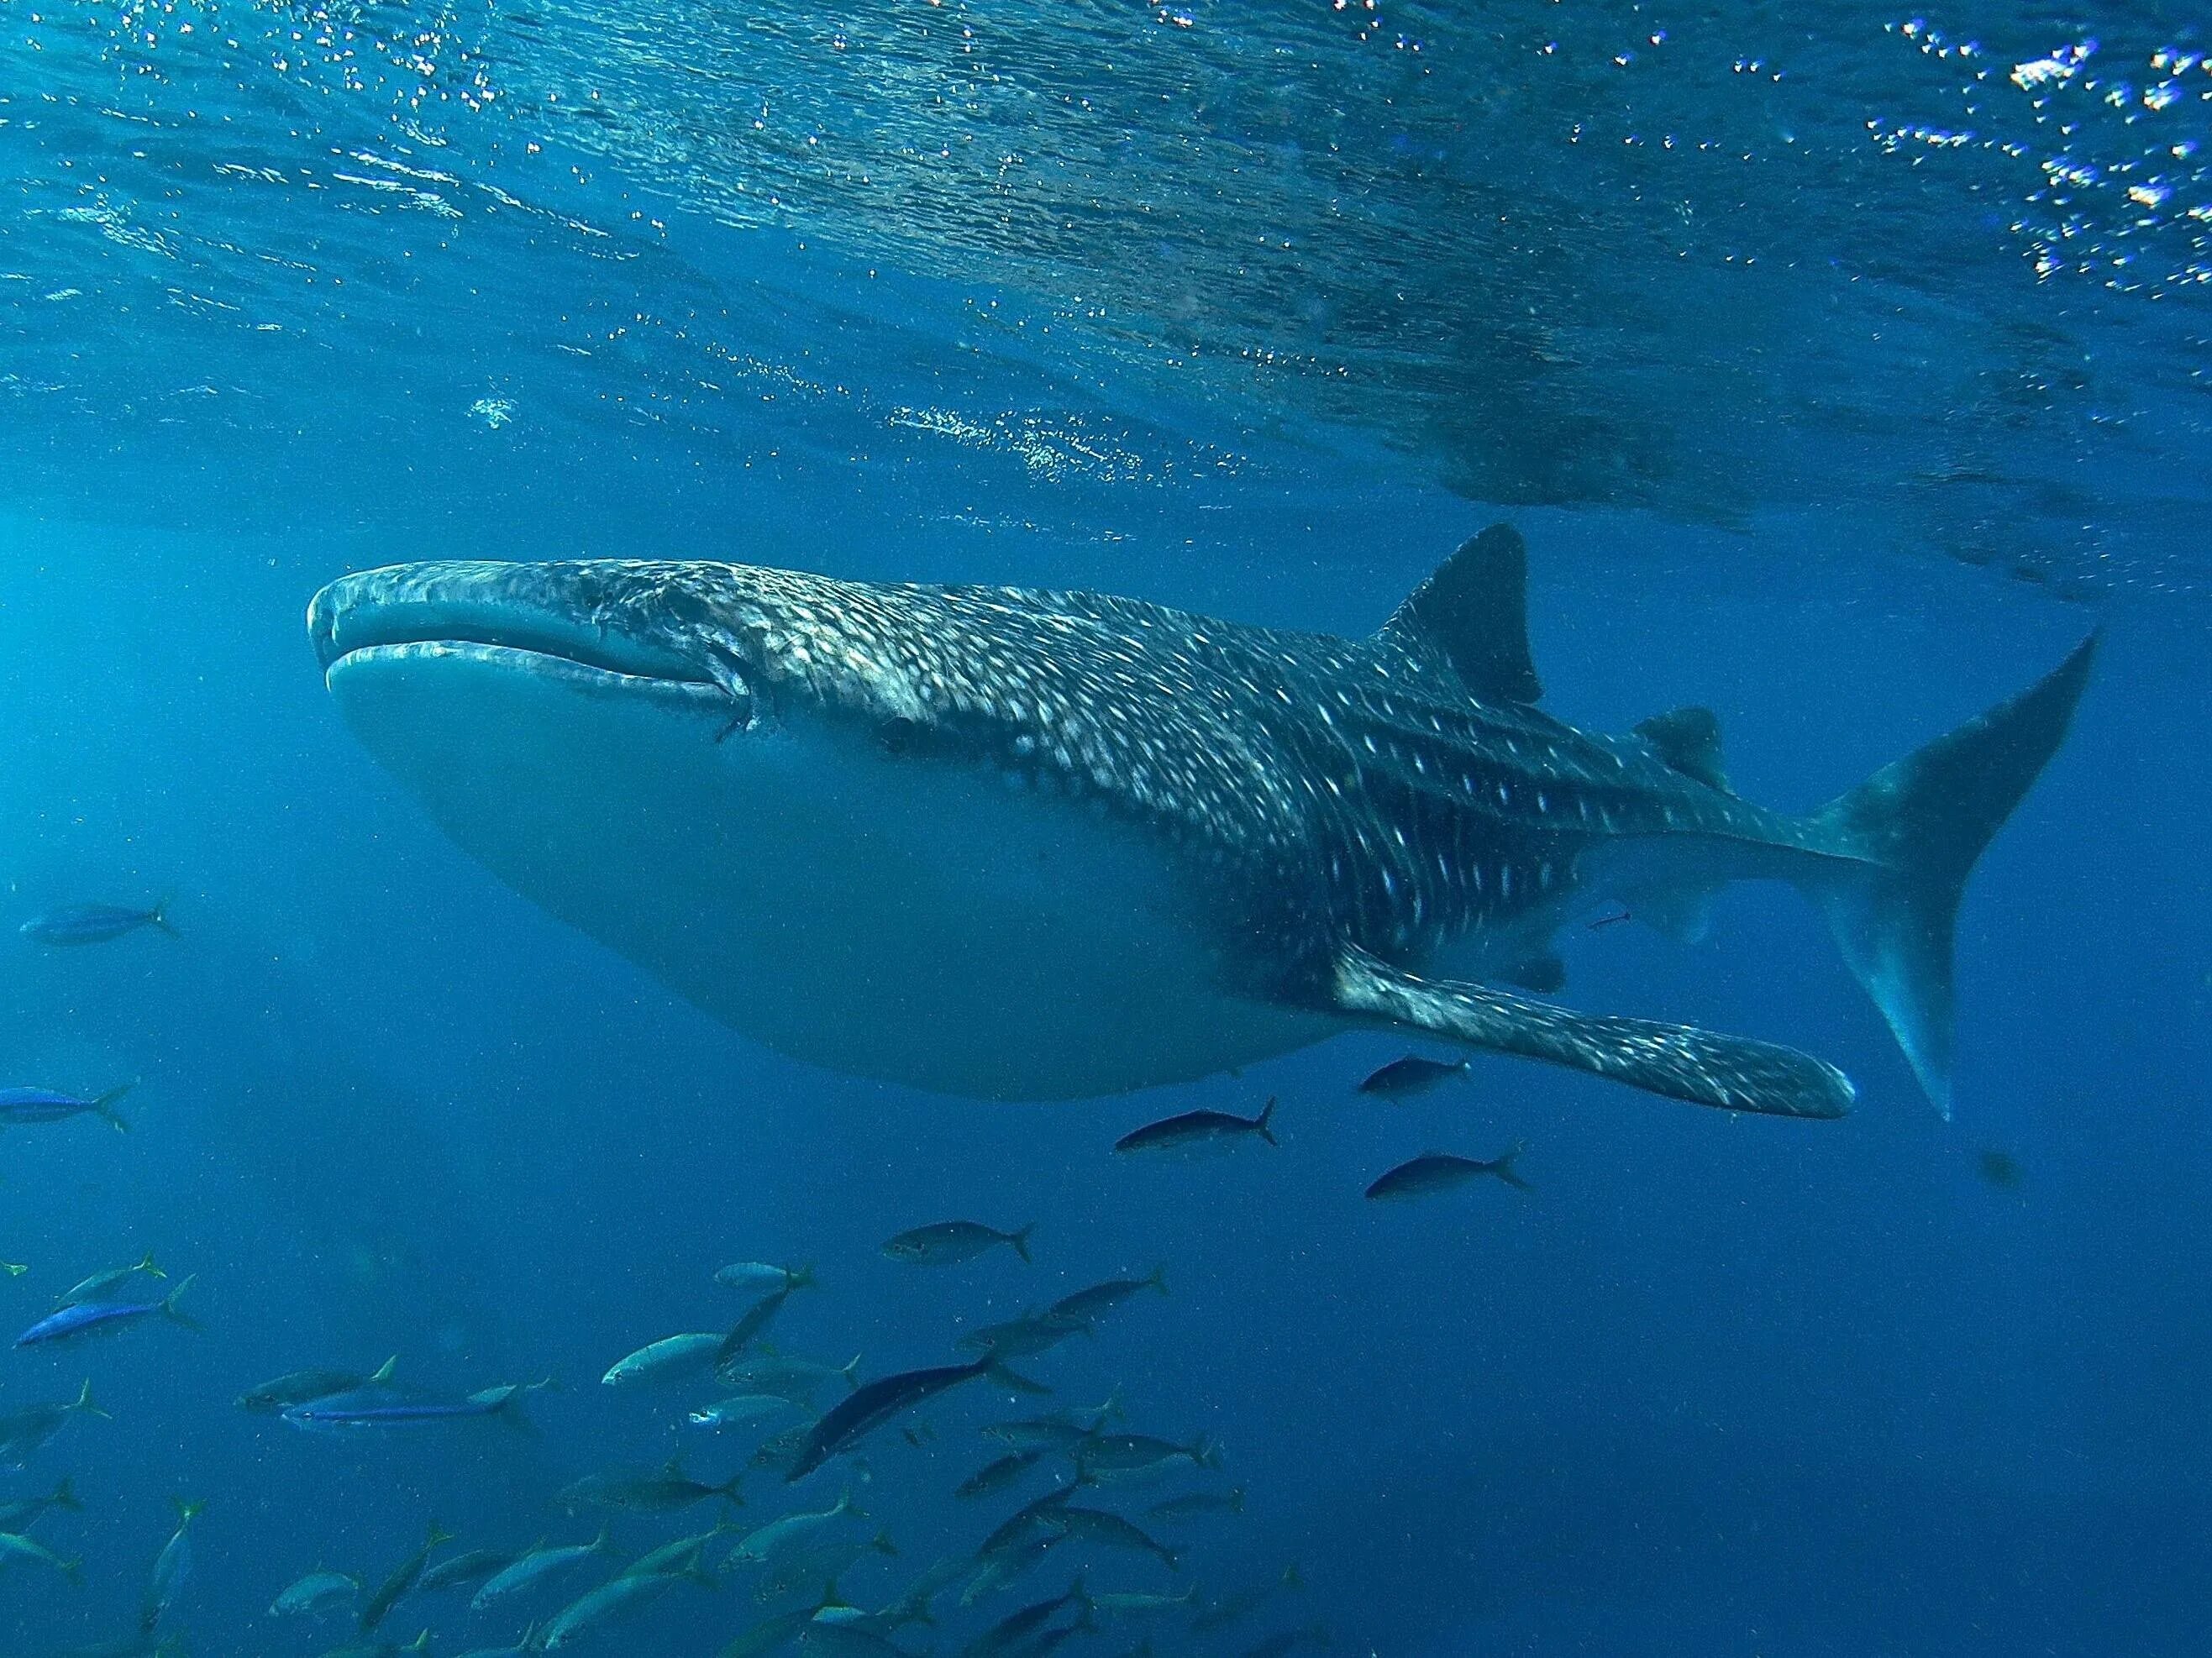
(1841, 377)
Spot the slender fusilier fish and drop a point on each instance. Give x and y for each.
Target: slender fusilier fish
(18, 1513)
(994, 1476)
(788, 1377)
(737, 1411)
(13, 1546)
(1110, 1459)
(172, 1568)
(395, 1588)
(468, 1569)
(1087, 1306)
(27, 1431)
(1199, 1131)
(318, 1595)
(618, 1598)
(748, 1330)
(42, 1105)
(1197, 1502)
(379, 1406)
(1439, 1171)
(98, 1285)
(790, 1532)
(1402, 1078)
(93, 924)
(672, 1358)
(534, 1567)
(281, 1393)
(1257, 838)
(950, 1242)
(87, 1318)
(662, 1492)
(873, 1404)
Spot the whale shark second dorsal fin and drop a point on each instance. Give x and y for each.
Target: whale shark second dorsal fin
(1473, 612)
(1688, 740)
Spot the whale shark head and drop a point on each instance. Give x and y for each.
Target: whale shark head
(842, 818)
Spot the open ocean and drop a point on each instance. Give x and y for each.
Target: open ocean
(1842, 371)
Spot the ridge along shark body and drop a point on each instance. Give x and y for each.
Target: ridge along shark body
(1025, 845)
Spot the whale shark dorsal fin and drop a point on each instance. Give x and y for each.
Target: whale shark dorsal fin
(1731, 1073)
(1473, 612)
(1689, 741)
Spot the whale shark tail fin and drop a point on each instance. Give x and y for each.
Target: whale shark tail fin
(1911, 833)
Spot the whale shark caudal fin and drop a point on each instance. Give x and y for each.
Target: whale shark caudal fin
(1911, 833)
(1473, 613)
(1730, 1073)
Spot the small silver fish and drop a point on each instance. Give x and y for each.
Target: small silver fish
(1403, 1079)
(316, 1595)
(950, 1242)
(93, 924)
(26, 1106)
(1199, 1131)
(1439, 1171)
(672, 1358)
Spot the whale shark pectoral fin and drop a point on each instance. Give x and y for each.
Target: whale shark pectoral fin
(1731, 1073)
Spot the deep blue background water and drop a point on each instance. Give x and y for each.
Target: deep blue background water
(1718, 1387)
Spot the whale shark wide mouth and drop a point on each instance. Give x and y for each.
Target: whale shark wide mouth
(364, 620)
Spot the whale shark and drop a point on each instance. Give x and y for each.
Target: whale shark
(1012, 844)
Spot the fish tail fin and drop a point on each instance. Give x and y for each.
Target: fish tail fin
(1020, 1239)
(158, 918)
(175, 1313)
(83, 1401)
(881, 1543)
(1157, 1277)
(799, 1278)
(851, 1373)
(1910, 837)
(187, 1511)
(1504, 1170)
(146, 1261)
(74, 1570)
(1292, 1577)
(1259, 1125)
(64, 1497)
(727, 1491)
(1205, 1452)
(105, 1105)
(383, 1374)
